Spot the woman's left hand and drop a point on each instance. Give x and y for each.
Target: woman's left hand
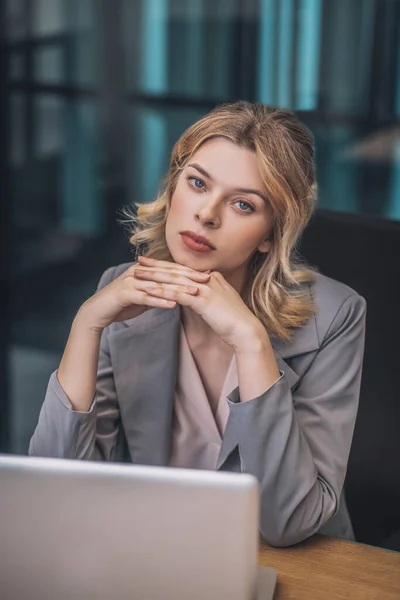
(216, 301)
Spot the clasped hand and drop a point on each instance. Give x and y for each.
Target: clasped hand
(215, 300)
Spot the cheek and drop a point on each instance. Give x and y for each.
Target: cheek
(178, 202)
(176, 214)
(249, 235)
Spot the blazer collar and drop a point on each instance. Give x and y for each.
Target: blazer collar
(305, 339)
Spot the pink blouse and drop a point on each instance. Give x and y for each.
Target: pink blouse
(196, 432)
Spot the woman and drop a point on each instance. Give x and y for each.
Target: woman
(217, 350)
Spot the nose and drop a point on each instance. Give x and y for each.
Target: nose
(208, 215)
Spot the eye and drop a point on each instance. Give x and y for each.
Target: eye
(196, 182)
(245, 206)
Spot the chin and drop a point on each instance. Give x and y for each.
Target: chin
(201, 263)
(183, 259)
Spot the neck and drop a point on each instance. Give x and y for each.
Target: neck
(195, 325)
(237, 278)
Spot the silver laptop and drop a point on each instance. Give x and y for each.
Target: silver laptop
(81, 530)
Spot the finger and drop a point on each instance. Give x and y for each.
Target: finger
(153, 262)
(169, 276)
(130, 296)
(166, 288)
(181, 297)
(165, 273)
(156, 301)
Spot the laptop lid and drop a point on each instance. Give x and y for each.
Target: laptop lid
(83, 530)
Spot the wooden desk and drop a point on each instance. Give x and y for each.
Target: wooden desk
(327, 568)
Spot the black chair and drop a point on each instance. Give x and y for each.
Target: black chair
(364, 253)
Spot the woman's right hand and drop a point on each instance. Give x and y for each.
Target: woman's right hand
(125, 297)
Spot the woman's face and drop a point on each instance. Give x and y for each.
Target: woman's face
(219, 196)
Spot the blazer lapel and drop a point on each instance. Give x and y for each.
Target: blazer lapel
(144, 352)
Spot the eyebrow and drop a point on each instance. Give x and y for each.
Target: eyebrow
(242, 190)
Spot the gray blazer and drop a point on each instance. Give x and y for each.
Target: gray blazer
(295, 438)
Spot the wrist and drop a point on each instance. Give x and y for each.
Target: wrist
(252, 340)
(84, 321)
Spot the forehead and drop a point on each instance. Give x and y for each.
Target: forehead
(229, 164)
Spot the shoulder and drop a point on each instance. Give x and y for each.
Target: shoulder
(112, 273)
(336, 304)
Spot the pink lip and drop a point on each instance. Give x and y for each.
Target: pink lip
(195, 246)
(198, 238)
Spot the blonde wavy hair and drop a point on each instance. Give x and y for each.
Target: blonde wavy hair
(276, 290)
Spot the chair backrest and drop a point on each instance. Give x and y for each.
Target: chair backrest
(364, 252)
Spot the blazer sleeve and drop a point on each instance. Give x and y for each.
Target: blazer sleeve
(297, 444)
(62, 432)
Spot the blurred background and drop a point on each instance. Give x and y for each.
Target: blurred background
(93, 95)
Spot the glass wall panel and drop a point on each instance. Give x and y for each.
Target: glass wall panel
(187, 49)
(145, 29)
(48, 66)
(48, 17)
(81, 208)
(17, 149)
(307, 60)
(337, 175)
(149, 161)
(16, 66)
(393, 208)
(48, 121)
(83, 50)
(16, 16)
